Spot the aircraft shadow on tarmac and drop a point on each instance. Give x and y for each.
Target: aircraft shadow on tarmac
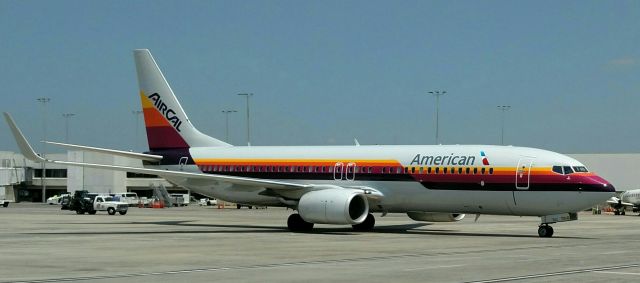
(406, 229)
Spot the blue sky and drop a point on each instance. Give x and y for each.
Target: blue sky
(324, 72)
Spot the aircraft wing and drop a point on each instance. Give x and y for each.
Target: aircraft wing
(30, 154)
(616, 201)
(134, 155)
(191, 175)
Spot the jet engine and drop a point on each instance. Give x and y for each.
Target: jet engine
(334, 205)
(435, 216)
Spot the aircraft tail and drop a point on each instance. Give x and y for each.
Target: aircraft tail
(168, 126)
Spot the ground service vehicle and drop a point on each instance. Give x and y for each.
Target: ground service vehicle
(84, 202)
(130, 198)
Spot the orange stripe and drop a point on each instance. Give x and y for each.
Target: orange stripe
(153, 118)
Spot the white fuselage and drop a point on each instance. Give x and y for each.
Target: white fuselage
(521, 181)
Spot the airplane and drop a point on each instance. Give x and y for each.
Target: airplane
(344, 185)
(629, 198)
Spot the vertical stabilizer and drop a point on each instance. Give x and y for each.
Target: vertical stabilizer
(168, 126)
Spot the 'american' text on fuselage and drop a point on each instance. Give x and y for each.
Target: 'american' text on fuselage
(443, 160)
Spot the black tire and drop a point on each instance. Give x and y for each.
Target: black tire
(616, 212)
(122, 212)
(545, 231)
(366, 225)
(238, 206)
(250, 207)
(622, 212)
(79, 211)
(6, 204)
(111, 211)
(92, 212)
(295, 223)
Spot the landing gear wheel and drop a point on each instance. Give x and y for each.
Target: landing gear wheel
(92, 212)
(616, 212)
(238, 206)
(295, 223)
(622, 212)
(111, 211)
(122, 212)
(366, 225)
(545, 231)
(79, 211)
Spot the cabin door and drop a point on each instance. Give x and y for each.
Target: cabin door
(183, 162)
(523, 173)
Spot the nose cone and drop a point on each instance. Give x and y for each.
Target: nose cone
(601, 184)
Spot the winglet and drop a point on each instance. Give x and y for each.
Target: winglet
(22, 142)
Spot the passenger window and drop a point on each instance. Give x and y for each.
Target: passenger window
(444, 170)
(460, 170)
(475, 170)
(399, 170)
(490, 171)
(557, 169)
(453, 170)
(413, 170)
(483, 170)
(406, 170)
(467, 171)
(421, 169)
(429, 170)
(437, 170)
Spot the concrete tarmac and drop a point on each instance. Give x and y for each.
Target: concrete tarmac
(41, 243)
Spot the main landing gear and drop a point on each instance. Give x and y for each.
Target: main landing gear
(295, 223)
(545, 231)
(366, 225)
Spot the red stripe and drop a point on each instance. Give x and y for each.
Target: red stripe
(164, 137)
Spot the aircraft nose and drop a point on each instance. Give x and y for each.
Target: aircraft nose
(607, 186)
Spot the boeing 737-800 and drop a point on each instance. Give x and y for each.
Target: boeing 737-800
(346, 184)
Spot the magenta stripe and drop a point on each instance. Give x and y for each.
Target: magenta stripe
(164, 137)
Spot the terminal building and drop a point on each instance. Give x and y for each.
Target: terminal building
(22, 180)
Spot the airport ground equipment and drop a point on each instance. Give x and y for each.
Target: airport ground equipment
(4, 203)
(84, 202)
(160, 193)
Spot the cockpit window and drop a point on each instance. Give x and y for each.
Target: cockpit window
(557, 169)
(567, 170)
(580, 169)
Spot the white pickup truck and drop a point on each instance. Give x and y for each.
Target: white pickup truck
(106, 203)
(4, 203)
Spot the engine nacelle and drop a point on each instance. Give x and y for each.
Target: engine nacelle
(334, 205)
(435, 216)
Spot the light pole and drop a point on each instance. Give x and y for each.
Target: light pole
(503, 108)
(136, 113)
(437, 94)
(44, 101)
(248, 123)
(66, 117)
(226, 115)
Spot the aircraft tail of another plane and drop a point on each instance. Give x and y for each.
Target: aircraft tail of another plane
(167, 124)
